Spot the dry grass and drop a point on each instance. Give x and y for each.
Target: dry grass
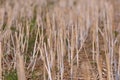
(59, 40)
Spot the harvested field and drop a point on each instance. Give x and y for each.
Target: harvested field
(59, 39)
